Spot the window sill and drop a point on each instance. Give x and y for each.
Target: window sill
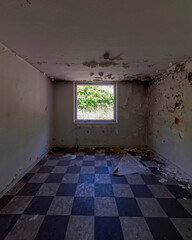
(95, 122)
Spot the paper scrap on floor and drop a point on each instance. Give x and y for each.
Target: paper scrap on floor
(128, 165)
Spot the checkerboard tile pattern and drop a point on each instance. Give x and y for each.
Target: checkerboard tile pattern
(79, 198)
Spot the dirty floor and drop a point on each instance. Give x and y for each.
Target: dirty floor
(79, 198)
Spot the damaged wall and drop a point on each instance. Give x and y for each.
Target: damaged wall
(25, 116)
(170, 116)
(131, 127)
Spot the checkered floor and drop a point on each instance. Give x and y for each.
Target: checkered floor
(76, 199)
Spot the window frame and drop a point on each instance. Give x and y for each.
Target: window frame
(76, 121)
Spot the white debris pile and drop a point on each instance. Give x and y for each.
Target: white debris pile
(162, 180)
(170, 171)
(67, 155)
(33, 218)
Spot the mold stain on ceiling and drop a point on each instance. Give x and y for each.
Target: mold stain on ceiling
(98, 40)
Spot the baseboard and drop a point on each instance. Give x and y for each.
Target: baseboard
(22, 175)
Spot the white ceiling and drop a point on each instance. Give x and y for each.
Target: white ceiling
(67, 39)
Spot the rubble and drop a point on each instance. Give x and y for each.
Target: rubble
(136, 151)
(172, 172)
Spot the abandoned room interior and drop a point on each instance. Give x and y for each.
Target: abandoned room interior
(95, 120)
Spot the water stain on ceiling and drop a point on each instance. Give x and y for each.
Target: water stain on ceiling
(79, 40)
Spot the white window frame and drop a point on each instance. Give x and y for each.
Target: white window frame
(76, 121)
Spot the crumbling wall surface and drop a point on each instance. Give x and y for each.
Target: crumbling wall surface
(130, 130)
(25, 116)
(170, 115)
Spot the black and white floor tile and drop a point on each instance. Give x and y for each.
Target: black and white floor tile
(76, 199)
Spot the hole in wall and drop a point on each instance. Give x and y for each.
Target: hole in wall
(177, 121)
(106, 55)
(190, 77)
(177, 124)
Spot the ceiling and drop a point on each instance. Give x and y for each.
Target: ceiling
(98, 40)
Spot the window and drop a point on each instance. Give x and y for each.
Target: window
(95, 103)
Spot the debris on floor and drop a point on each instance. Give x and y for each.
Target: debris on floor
(143, 155)
(142, 151)
(128, 165)
(115, 173)
(171, 172)
(33, 218)
(162, 180)
(67, 155)
(117, 150)
(138, 151)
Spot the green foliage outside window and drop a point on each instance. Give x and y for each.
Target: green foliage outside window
(92, 97)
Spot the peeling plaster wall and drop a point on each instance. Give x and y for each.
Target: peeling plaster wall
(170, 116)
(131, 127)
(25, 117)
